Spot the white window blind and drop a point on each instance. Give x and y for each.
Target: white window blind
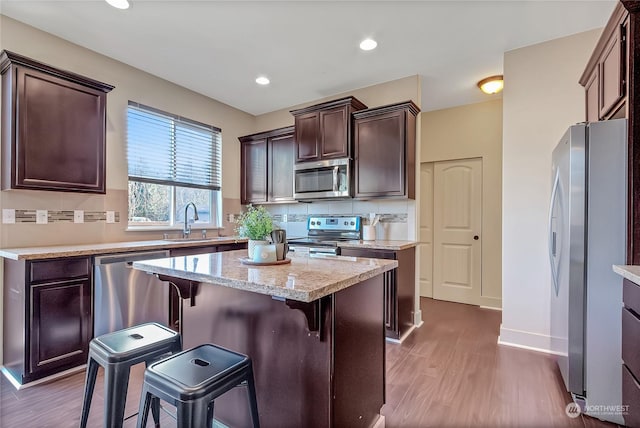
(168, 149)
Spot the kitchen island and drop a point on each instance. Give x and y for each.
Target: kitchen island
(314, 329)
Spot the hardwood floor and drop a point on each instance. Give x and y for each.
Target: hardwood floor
(448, 373)
(452, 373)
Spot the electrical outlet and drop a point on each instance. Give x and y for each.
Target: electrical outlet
(41, 217)
(78, 216)
(8, 216)
(111, 216)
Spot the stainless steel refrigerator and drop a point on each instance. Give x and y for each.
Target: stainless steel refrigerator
(587, 232)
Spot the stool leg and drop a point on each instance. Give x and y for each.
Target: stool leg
(89, 384)
(155, 406)
(192, 414)
(143, 411)
(116, 381)
(253, 401)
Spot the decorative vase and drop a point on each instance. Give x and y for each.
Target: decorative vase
(251, 245)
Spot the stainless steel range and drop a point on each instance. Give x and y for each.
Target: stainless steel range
(324, 233)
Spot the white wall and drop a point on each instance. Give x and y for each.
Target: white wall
(541, 99)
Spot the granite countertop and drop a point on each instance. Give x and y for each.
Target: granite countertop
(632, 273)
(50, 252)
(306, 278)
(378, 244)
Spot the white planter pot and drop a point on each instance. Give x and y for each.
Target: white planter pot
(251, 245)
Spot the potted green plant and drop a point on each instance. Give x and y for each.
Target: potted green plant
(256, 224)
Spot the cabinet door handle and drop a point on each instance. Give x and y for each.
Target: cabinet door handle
(476, 237)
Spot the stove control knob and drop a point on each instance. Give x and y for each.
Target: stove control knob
(353, 223)
(346, 223)
(313, 223)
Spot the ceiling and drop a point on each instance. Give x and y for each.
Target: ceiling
(309, 49)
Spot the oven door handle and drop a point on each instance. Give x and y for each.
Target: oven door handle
(336, 175)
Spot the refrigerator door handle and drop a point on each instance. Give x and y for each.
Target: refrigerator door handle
(552, 234)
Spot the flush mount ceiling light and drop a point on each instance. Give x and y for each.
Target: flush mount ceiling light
(491, 85)
(119, 4)
(262, 80)
(368, 44)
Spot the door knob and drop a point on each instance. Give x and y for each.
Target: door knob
(476, 237)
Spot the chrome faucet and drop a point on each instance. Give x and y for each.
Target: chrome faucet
(187, 226)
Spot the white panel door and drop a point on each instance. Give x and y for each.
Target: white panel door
(457, 220)
(426, 230)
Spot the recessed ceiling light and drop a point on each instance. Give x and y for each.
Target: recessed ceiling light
(368, 44)
(262, 80)
(491, 85)
(119, 4)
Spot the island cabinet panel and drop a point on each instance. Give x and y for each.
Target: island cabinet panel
(48, 316)
(324, 131)
(385, 144)
(333, 377)
(399, 288)
(55, 128)
(266, 166)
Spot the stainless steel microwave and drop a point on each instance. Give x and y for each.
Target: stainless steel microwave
(322, 179)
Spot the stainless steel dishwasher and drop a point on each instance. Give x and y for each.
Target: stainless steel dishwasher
(124, 296)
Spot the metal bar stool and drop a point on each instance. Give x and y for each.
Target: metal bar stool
(116, 352)
(192, 380)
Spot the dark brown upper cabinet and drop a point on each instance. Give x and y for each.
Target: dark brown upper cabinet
(605, 76)
(323, 131)
(385, 151)
(266, 166)
(53, 127)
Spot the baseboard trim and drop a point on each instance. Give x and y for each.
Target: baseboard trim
(417, 318)
(17, 385)
(403, 337)
(380, 423)
(525, 340)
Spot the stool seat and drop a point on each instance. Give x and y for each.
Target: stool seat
(135, 344)
(116, 352)
(193, 379)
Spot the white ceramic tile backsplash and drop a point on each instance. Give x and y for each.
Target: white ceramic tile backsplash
(341, 207)
(319, 208)
(296, 229)
(365, 207)
(393, 207)
(300, 208)
(391, 231)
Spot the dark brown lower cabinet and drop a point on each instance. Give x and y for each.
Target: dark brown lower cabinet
(60, 325)
(631, 352)
(47, 319)
(399, 287)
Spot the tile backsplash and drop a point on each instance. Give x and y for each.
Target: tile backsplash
(64, 216)
(395, 216)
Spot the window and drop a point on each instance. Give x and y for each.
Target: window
(172, 161)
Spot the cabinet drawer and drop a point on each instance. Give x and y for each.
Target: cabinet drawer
(630, 342)
(631, 295)
(60, 269)
(631, 398)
